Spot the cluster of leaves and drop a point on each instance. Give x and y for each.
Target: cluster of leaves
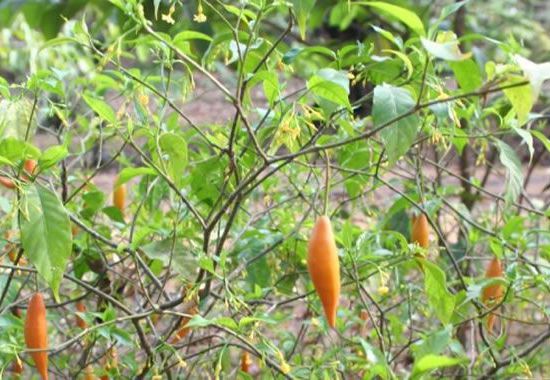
(388, 112)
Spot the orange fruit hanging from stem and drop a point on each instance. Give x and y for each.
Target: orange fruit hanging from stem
(324, 267)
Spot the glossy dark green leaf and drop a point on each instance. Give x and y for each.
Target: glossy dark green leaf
(390, 103)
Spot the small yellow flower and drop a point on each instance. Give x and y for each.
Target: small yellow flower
(285, 367)
(200, 16)
(143, 100)
(383, 290)
(436, 137)
(168, 16)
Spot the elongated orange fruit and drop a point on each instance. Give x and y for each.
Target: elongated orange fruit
(245, 362)
(324, 267)
(30, 166)
(81, 308)
(89, 373)
(36, 333)
(420, 231)
(183, 329)
(119, 197)
(7, 183)
(493, 293)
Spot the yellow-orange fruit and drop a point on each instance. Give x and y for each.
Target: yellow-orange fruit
(364, 316)
(183, 329)
(245, 362)
(420, 231)
(80, 307)
(493, 293)
(324, 267)
(7, 183)
(36, 333)
(119, 197)
(30, 166)
(89, 373)
(12, 254)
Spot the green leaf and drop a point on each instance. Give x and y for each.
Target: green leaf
(52, 156)
(389, 103)
(405, 59)
(291, 55)
(101, 108)
(15, 118)
(45, 233)
(173, 253)
(4, 88)
(302, 10)
(191, 35)
(448, 51)
(520, 97)
(543, 139)
(127, 174)
(434, 343)
(451, 8)
(270, 84)
(226, 322)
(467, 74)
(430, 362)
(527, 139)
(514, 176)
(331, 85)
(5, 161)
(198, 321)
(406, 16)
(13, 149)
(175, 147)
(441, 301)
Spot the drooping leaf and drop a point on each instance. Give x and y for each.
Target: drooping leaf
(521, 98)
(404, 15)
(542, 138)
(391, 102)
(440, 299)
(45, 233)
(127, 174)
(527, 140)
(175, 146)
(430, 362)
(52, 156)
(514, 176)
(104, 110)
(302, 9)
